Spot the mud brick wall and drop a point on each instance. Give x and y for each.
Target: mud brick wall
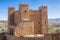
(2, 36)
(53, 36)
(38, 17)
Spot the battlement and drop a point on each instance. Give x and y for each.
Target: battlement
(23, 6)
(11, 9)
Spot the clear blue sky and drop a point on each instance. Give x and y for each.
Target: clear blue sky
(53, 7)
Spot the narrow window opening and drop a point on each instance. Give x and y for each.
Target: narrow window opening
(25, 11)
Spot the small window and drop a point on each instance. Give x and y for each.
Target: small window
(25, 11)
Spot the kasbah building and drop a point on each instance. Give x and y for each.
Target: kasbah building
(25, 21)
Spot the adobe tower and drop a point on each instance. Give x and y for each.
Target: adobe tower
(25, 21)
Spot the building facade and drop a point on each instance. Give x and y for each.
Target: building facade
(25, 21)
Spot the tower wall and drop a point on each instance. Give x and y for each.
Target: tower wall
(17, 18)
(10, 15)
(23, 8)
(35, 17)
(44, 20)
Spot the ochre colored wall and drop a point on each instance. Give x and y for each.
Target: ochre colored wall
(38, 17)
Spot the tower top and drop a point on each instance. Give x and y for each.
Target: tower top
(23, 4)
(42, 7)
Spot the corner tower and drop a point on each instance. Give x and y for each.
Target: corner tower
(44, 19)
(11, 15)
